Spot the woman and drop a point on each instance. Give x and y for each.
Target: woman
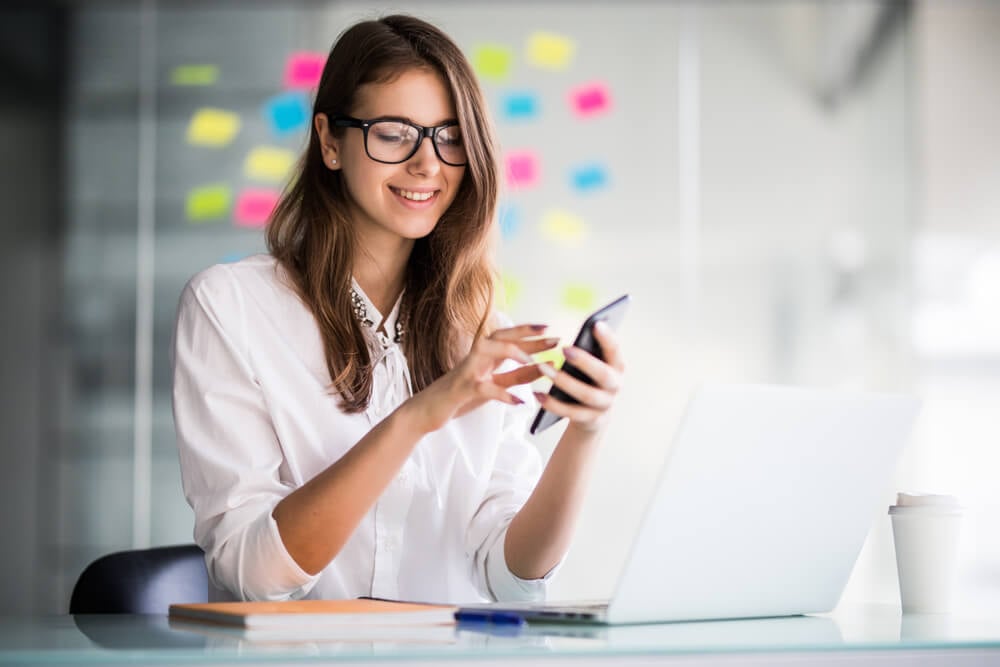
(350, 412)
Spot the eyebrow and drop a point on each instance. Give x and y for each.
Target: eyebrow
(407, 119)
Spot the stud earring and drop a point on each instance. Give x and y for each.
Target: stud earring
(333, 162)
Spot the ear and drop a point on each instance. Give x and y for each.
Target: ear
(328, 143)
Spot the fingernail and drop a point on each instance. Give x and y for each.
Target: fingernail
(548, 371)
(525, 359)
(551, 342)
(517, 401)
(539, 327)
(601, 326)
(540, 397)
(570, 353)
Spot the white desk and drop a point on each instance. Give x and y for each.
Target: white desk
(866, 635)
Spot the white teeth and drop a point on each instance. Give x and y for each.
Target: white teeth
(415, 196)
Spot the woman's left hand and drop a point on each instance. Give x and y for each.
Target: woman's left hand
(595, 400)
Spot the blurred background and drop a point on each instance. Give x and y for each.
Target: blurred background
(792, 192)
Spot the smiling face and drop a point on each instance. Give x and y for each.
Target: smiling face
(395, 203)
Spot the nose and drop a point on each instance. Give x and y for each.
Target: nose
(425, 161)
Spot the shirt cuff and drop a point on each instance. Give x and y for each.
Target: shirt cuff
(285, 578)
(505, 586)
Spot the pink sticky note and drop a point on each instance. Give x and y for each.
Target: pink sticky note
(590, 99)
(254, 206)
(522, 169)
(303, 69)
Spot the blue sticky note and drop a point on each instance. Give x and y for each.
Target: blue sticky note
(288, 112)
(589, 177)
(510, 220)
(520, 106)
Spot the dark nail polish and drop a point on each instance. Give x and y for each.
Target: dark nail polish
(539, 327)
(540, 397)
(516, 400)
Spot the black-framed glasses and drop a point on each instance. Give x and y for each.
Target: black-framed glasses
(394, 140)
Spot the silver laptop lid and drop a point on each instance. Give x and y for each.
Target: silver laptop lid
(763, 504)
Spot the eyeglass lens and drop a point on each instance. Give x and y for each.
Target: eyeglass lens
(393, 141)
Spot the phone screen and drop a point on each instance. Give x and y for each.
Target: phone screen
(612, 314)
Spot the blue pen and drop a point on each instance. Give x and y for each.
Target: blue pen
(486, 616)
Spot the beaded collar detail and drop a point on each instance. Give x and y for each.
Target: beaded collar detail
(361, 312)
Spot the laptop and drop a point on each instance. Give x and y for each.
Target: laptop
(761, 508)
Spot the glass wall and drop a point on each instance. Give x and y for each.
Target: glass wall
(739, 169)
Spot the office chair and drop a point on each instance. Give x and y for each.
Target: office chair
(144, 581)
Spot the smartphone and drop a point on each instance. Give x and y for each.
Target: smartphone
(612, 314)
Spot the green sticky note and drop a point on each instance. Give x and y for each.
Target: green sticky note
(579, 297)
(492, 61)
(209, 202)
(194, 75)
(555, 356)
(510, 290)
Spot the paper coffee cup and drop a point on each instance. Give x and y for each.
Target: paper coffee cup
(926, 529)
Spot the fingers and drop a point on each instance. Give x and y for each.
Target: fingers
(610, 348)
(518, 332)
(579, 414)
(520, 375)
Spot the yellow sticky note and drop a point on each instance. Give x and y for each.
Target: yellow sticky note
(492, 61)
(212, 127)
(579, 297)
(194, 75)
(209, 202)
(547, 50)
(510, 290)
(563, 227)
(266, 163)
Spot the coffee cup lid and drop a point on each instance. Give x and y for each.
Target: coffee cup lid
(926, 502)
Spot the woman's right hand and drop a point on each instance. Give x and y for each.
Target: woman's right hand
(474, 381)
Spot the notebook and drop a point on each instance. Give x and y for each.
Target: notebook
(761, 509)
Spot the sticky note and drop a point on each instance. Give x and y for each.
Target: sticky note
(267, 163)
(232, 257)
(511, 290)
(555, 355)
(550, 51)
(254, 206)
(510, 220)
(288, 112)
(590, 99)
(579, 297)
(588, 177)
(303, 69)
(212, 127)
(208, 202)
(492, 61)
(522, 169)
(194, 75)
(562, 227)
(520, 106)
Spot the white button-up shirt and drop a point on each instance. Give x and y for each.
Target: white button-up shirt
(256, 419)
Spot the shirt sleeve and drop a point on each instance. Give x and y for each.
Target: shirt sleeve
(229, 453)
(516, 471)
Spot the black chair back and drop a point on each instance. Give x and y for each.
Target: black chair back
(144, 581)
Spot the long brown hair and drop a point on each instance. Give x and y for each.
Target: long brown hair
(449, 280)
